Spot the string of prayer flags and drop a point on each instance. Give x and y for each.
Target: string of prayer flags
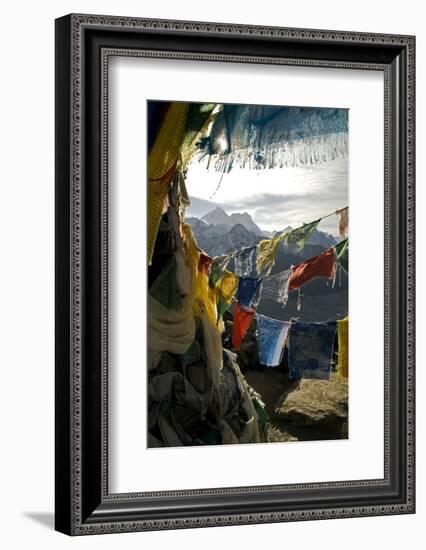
(322, 265)
(342, 254)
(165, 288)
(242, 318)
(275, 287)
(311, 350)
(247, 287)
(266, 252)
(204, 264)
(245, 262)
(343, 221)
(299, 236)
(272, 334)
(227, 286)
(343, 347)
(162, 162)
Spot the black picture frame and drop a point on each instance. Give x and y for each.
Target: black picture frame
(83, 46)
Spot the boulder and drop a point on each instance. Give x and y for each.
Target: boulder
(314, 402)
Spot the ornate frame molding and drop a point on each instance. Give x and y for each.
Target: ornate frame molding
(78, 498)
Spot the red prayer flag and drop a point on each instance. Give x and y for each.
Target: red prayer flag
(320, 266)
(204, 264)
(242, 320)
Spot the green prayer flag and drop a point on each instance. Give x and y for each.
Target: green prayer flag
(165, 288)
(298, 237)
(342, 254)
(222, 306)
(217, 268)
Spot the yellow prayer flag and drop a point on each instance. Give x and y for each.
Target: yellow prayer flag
(161, 166)
(343, 348)
(266, 251)
(227, 286)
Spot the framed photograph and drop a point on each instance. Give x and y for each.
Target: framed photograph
(219, 360)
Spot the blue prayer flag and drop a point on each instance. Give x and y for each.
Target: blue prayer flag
(272, 334)
(311, 350)
(247, 287)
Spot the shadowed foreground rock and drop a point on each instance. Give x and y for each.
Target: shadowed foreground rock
(303, 410)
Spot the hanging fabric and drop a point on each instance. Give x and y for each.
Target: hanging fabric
(311, 350)
(298, 237)
(343, 221)
(275, 287)
(343, 347)
(217, 268)
(320, 266)
(245, 262)
(242, 318)
(165, 287)
(227, 286)
(168, 329)
(272, 335)
(266, 252)
(342, 254)
(162, 162)
(247, 287)
(204, 264)
(222, 307)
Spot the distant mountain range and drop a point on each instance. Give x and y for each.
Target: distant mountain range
(218, 216)
(219, 233)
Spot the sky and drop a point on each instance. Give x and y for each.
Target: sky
(274, 198)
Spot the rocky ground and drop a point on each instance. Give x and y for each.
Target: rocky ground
(302, 410)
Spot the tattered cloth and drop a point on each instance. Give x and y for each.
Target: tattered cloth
(342, 254)
(275, 287)
(344, 221)
(165, 287)
(245, 262)
(343, 347)
(320, 266)
(272, 336)
(204, 264)
(242, 319)
(256, 136)
(298, 237)
(227, 286)
(247, 287)
(311, 350)
(266, 252)
(161, 166)
(217, 268)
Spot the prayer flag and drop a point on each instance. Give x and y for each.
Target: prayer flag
(161, 166)
(299, 236)
(222, 306)
(311, 349)
(344, 221)
(247, 287)
(272, 334)
(343, 347)
(275, 287)
(165, 288)
(204, 264)
(342, 254)
(217, 268)
(266, 252)
(245, 262)
(242, 319)
(227, 286)
(320, 266)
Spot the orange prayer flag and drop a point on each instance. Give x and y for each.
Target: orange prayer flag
(242, 319)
